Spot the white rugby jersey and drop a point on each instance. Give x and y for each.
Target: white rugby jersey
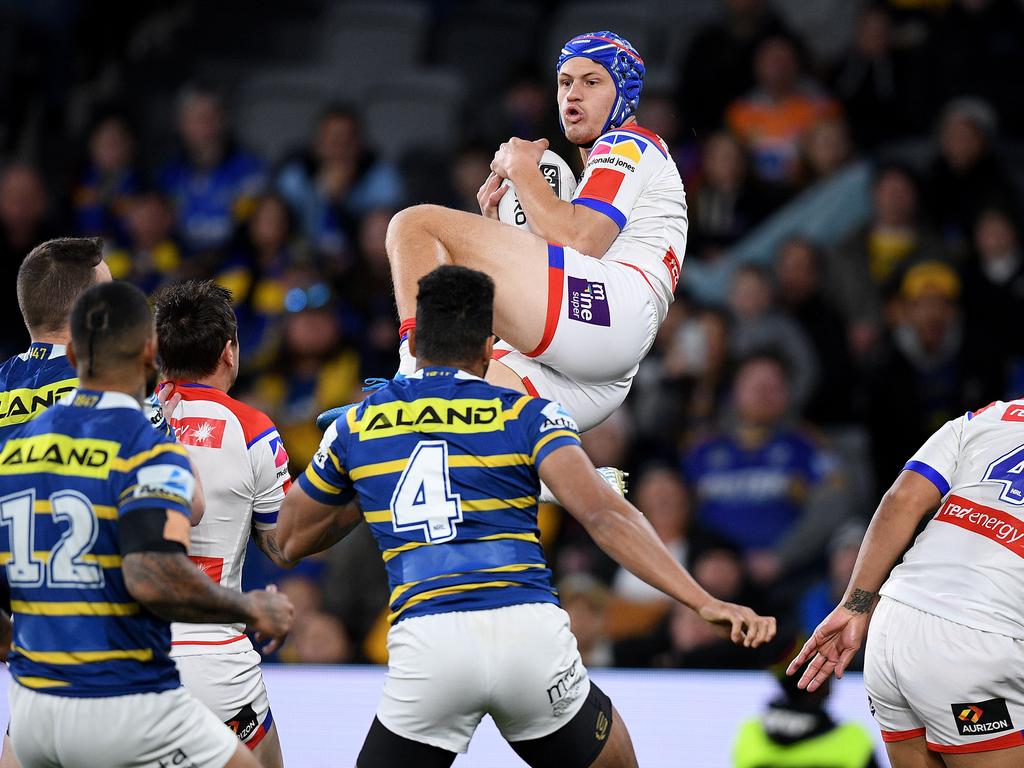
(968, 563)
(631, 178)
(244, 470)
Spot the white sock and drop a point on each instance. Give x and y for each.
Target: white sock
(406, 362)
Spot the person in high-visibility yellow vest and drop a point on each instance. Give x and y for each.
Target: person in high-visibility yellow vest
(797, 732)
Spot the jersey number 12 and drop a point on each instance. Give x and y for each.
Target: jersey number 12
(423, 499)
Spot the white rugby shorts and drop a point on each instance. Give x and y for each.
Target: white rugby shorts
(142, 730)
(231, 686)
(602, 317)
(960, 688)
(519, 664)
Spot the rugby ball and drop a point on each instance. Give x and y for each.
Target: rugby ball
(556, 172)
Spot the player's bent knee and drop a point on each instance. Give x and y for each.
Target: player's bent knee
(580, 742)
(385, 749)
(409, 221)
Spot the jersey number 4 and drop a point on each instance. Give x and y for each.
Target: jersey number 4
(1009, 472)
(423, 499)
(64, 565)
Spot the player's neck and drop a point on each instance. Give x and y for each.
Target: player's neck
(478, 369)
(121, 384)
(61, 337)
(221, 379)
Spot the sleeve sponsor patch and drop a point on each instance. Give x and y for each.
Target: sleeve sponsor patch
(200, 432)
(556, 417)
(164, 481)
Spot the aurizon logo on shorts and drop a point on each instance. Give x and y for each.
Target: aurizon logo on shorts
(1001, 527)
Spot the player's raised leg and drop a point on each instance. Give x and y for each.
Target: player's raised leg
(7, 758)
(912, 753)
(268, 751)
(424, 237)
(242, 758)
(1004, 758)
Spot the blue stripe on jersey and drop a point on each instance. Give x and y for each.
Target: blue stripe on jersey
(66, 478)
(445, 467)
(930, 474)
(600, 206)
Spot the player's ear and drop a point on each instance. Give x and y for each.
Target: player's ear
(412, 341)
(72, 357)
(227, 355)
(488, 350)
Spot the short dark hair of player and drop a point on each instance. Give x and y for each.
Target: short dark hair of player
(52, 277)
(454, 312)
(110, 325)
(194, 322)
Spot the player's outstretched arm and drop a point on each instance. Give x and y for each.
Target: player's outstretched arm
(306, 526)
(625, 534)
(838, 638)
(551, 219)
(266, 540)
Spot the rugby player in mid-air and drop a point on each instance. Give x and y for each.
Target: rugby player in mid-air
(50, 279)
(94, 525)
(447, 467)
(944, 663)
(244, 468)
(577, 303)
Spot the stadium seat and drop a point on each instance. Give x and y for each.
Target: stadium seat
(275, 110)
(673, 26)
(468, 39)
(372, 39)
(417, 110)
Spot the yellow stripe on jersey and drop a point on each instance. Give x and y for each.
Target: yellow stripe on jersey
(470, 505)
(400, 590)
(59, 455)
(517, 408)
(103, 561)
(395, 551)
(20, 405)
(85, 657)
(41, 682)
(129, 463)
(448, 591)
(81, 608)
(319, 482)
(432, 414)
(548, 438)
(398, 465)
(103, 512)
(350, 419)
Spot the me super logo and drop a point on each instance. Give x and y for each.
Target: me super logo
(989, 716)
(588, 302)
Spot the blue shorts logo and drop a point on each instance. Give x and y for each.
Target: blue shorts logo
(588, 302)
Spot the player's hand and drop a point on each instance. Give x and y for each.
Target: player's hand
(516, 155)
(743, 625)
(272, 616)
(833, 645)
(169, 399)
(490, 195)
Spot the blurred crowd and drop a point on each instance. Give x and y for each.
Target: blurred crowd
(762, 427)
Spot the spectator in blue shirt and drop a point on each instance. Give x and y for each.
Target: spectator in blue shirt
(765, 485)
(337, 181)
(109, 180)
(213, 182)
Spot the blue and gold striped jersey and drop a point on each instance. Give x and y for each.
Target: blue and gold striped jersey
(31, 382)
(66, 479)
(445, 467)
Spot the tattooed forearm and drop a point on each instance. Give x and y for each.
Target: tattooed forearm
(267, 541)
(860, 601)
(170, 585)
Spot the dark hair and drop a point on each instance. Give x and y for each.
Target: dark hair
(194, 320)
(769, 354)
(52, 277)
(454, 311)
(110, 324)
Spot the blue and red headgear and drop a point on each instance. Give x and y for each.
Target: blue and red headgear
(619, 57)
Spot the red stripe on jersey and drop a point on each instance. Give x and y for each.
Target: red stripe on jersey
(208, 642)
(497, 354)
(556, 277)
(1002, 528)
(890, 736)
(602, 185)
(642, 273)
(530, 389)
(1014, 739)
